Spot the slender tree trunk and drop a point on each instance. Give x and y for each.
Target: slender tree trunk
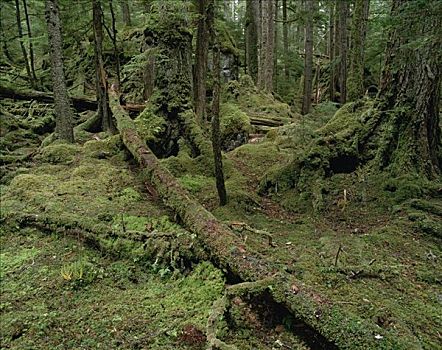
(100, 73)
(202, 47)
(22, 45)
(343, 7)
(216, 134)
(4, 41)
(252, 9)
(308, 58)
(285, 39)
(126, 12)
(332, 49)
(31, 46)
(115, 44)
(357, 48)
(63, 113)
(275, 45)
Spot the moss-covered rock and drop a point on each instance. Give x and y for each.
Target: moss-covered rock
(235, 126)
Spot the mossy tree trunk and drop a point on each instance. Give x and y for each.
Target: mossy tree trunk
(359, 23)
(343, 8)
(285, 39)
(333, 51)
(216, 134)
(308, 58)
(202, 47)
(125, 10)
(267, 43)
(171, 98)
(252, 12)
(410, 89)
(113, 36)
(63, 113)
(31, 45)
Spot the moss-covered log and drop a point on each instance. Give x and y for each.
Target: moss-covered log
(229, 252)
(81, 104)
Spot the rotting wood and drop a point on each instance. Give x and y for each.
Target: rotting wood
(228, 252)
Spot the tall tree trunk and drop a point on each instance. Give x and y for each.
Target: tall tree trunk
(275, 45)
(285, 39)
(343, 8)
(31, 45)
(265, 76)
(4, 40)
(410, 90)
(100, 73)
(308, 58)
(355, 81)
(216, 134)
(22, 45)
(202, 46)
(115, 44)
(252, 13)
(333, 51)
(126, 12)
(63, 113)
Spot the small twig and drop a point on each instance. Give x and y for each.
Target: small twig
(337, 254)
(122, 223)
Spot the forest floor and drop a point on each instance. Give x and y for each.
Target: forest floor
(365, 252)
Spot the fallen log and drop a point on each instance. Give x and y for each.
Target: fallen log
(81, 104)
(345, 329)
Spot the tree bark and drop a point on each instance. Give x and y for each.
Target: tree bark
(115, 44)
(285, 39)
(343, 7)
(357, 48)
(308, 58)
(275, 50)
(22, 45)
(332, 50)
(100, 73)
(63, 113)
(252, 9)
(216, 134)
(31, 45)
(410, 90)
(265, 72)
(202, 47)
(126, 12)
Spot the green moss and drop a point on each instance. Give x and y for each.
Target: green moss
(121, 305)
(61, 153)
(149, 125)
(233, 121)
(195, 183)
(253, 102)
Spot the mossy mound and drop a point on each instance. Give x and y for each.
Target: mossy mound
(235, 126)
(255, 103)
(60, 153)
(90, 181)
